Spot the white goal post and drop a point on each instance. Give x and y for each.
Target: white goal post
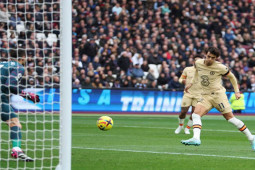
(66, 86)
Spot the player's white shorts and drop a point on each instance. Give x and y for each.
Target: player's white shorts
(189, 100)
(219, 100)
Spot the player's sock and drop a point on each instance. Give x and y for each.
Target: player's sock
(180, 127)
(181, 122)
(242, 127)
(189, 124)
(197, 126)
(16, 136)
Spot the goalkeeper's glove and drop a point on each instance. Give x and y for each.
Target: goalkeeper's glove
(30, 96)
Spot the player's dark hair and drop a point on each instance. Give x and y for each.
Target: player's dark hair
(213, 50)
(17, 53)
(198, 56)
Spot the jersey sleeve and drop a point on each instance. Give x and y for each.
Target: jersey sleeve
(14, 78)
(183, 76)
(197, 63)
(223, 70)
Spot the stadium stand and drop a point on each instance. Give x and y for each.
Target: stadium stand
(169, 32)
(160, 31)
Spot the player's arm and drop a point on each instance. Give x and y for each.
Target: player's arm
(13, 82)
(188, 86)
(195, 74)
(183, 77)
(231, 99)
(234, 83)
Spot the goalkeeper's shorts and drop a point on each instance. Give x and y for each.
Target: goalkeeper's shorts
(7, 112)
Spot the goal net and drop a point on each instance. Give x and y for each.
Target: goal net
(34, 27)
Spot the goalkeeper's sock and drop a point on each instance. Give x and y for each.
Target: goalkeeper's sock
(16, 136)
(242, 127)
(197, 126)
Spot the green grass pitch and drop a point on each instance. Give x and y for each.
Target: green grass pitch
(137, 142)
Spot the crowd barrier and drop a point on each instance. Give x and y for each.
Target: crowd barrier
(116, 100)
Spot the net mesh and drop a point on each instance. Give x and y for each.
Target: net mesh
(33, 25)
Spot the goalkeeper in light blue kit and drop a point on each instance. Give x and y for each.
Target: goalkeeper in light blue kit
(11, 73)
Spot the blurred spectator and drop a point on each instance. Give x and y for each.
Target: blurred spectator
(158, 4)
(90, 49)
(31, 83)
(134, 81)
(252, 62)
(165, 9)
(253, 83)
(56, 81)
(137, 72)
(124, 62)
(86, 84)
(96, 83)
(85, 61)
(162, 80)
(228, 86)
(117, 9)
(145, 67)
(109, 78)
(174, 84)
(150, 76)
(48, 82)
(153, 85)
(76, 84)
(126, 83)
(154, 59)
(116, 83)
(40, 83)
(113, 34)
(96, 63)
(137, 59)
(245, 83)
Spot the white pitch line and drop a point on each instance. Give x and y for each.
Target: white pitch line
(166, 153)
(213, 130)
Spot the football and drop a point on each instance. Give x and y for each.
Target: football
(104, 123)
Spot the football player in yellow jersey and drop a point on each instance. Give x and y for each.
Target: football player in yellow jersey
(188, 99)
(209, 73)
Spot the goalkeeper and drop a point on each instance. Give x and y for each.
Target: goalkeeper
(11, 73)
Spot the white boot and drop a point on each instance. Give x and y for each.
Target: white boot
(186, 131)
(178, 130)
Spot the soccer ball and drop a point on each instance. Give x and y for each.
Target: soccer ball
(104, 123)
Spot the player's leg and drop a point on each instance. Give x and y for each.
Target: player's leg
(241, 126)
(203, 106)
(197, 123)
(13, 122)
(190, 122)
(197, 126)
(182, 116)
(186, 103)
(225, 108)
(11, 119)
(15, 128)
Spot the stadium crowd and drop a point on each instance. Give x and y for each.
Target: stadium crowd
(33, 25)
(132, 43)
(147, 43)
